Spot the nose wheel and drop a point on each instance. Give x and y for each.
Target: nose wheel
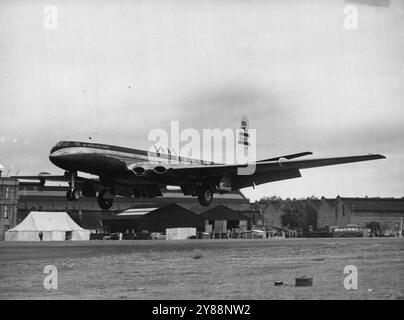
(73, 194)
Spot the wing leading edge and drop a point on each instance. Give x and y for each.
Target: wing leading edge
(289, 156)
(267, 166)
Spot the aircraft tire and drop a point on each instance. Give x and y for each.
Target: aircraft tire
(104, 203)
(69, 195)
(75, 194)
(205, 196)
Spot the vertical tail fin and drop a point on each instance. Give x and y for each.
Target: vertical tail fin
(244, 136)
(246, 155)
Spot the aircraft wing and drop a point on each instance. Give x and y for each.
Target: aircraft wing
(39, 177)
(321, 162)
(266, 166)
(90, 186)
(43, 177)
(289, 156)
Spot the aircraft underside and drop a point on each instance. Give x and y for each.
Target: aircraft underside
(107, 188)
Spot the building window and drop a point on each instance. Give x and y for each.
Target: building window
(343, 210)
(5, 214)
(6, 195)
(336, 212)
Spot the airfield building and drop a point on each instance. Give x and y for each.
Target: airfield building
(86, 212)
(154, 220)
(228, 211)
(222, 219)
(8, 205)
(340, 211)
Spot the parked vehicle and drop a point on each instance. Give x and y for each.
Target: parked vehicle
(112, 236)
(143, 235)
(350, 231)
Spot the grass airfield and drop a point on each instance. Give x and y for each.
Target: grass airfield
(203, 269)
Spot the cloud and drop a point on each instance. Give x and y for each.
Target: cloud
(304, 82)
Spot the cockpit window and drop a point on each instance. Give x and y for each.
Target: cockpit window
(68, 144)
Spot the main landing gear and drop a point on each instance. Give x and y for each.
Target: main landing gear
(73, 193)
(105, 199)
(205, 195)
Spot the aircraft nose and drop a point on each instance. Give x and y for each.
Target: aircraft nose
(55, 159)
(67, 160)
(60, 158)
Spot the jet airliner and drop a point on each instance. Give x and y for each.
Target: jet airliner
(137, 173)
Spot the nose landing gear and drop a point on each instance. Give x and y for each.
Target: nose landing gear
(73, 193)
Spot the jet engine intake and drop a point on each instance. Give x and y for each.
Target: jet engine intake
(139, 171)
(160, 169)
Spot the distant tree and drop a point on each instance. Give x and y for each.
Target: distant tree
(266, 200)
(271, 198)
(374, 227)
(312, 214)
(295, 216)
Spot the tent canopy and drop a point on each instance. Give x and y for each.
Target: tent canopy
(47, 221)
(54, 226)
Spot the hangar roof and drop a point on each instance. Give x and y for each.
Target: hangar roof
(135, 212)
(375, 204)
(169, 212)
(369, 204)
(222, 212)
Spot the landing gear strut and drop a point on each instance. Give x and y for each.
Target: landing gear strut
(104, 203)
(205, 195)
(73, 193)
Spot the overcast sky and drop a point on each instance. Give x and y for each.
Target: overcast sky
(114, 70)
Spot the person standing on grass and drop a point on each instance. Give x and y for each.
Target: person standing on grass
(40, 235)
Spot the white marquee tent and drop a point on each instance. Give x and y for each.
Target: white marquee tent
(55, 226)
